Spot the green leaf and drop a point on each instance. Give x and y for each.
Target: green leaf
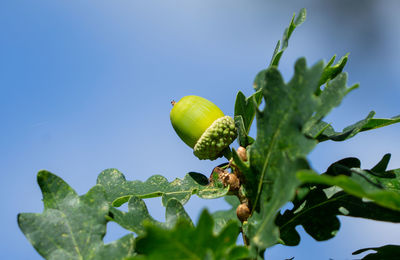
(318, 212)
(316, 206)
(324, 131)
(330, 72)
(378, 176)
(187, 242)
(382, 165)
(137, 214)
(358, 185)
(243, 138)
(281, 145)
(374, 123)
(286, 36)
(317, 215)
(119, 190)
(248, 177)
(120, 249)
(222, 217)
(246, 107)
(260, 80)
(387, 252)
(71, 227)
(330, 97)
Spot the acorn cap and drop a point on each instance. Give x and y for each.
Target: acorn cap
(216, 138)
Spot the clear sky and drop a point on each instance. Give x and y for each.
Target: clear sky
(86, 85)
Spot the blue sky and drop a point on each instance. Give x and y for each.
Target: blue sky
(86, 85)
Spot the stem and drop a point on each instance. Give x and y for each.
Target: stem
(245, 239)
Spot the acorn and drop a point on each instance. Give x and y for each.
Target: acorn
(243, 212)
(233, 182)
(241, 151)
(202, 126)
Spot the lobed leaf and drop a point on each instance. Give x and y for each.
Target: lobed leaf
(259, 81)
(187, 242)
(286, 36)
(356, 185)
(222, 217)
(318, 212)
(317, 206)
(119, 190)
(330, 72)
(331, 96)
(71, 227)
(293, 113)
(281, 145)
(324, 131)
(119, 249)
(138, 214)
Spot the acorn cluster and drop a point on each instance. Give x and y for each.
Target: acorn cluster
(215, 139)
(233, 179)
(205, 128)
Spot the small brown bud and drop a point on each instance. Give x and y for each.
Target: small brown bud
(241, 151)
(243, 212)
(233, 181)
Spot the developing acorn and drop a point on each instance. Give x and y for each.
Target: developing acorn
(241, 151)
(202, 126)
(233, 181)
(243, 212)
(226, 178)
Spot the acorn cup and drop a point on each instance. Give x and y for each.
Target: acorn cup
(203, 126)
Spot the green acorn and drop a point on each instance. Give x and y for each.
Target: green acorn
(202, 126)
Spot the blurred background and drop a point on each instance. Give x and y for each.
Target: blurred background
(87, 85)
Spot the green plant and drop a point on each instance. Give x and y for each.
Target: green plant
(259, 179)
